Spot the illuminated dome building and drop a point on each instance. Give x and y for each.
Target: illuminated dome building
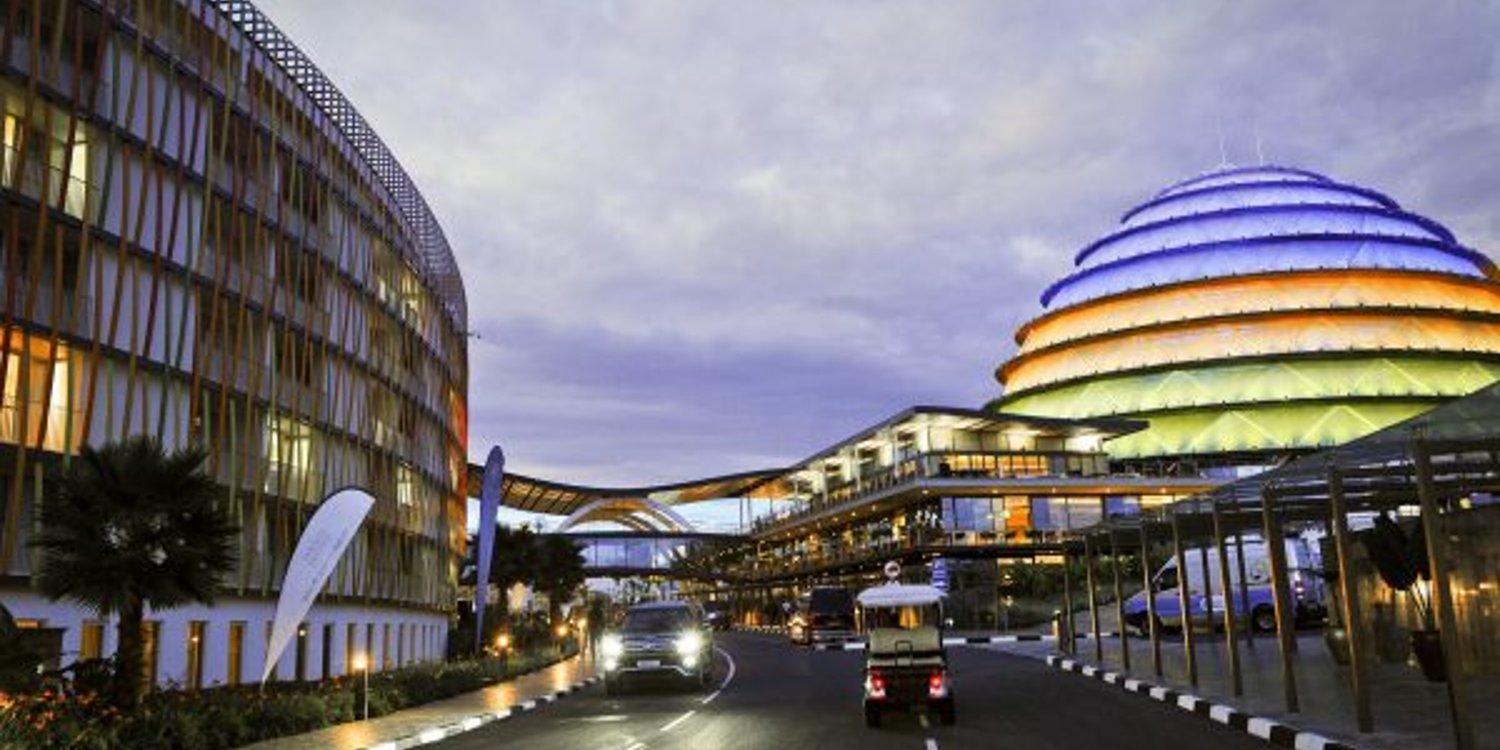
(1254, 312)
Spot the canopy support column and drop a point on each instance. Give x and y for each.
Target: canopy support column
(1281, 594)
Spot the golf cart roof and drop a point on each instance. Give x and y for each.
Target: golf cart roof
(899, 595)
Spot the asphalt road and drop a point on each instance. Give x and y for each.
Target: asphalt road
(775, 695)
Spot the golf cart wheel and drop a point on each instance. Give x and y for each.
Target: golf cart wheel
(872, 716)
(1263, 619)
(947, 713)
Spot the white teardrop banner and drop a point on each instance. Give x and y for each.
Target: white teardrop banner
(323, 542)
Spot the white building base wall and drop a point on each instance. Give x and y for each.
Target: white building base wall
(392, 636)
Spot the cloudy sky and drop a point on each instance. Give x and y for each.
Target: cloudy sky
(707, 237)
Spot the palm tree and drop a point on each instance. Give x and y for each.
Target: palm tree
(512, 561)
(558, 572)
(129, 524)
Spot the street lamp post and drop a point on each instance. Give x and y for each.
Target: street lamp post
(502, 645)
(362, 665)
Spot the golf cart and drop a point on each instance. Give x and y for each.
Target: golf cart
(905, 664)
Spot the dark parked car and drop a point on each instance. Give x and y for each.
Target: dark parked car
(716, 615)
(659, 639)
(826, 614)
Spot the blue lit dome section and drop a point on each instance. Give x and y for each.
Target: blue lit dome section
(1260, 310)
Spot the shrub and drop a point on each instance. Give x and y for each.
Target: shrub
(227, 717)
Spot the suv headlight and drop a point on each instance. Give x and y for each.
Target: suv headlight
(690, 642)
(611, 645)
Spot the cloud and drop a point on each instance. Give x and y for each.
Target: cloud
(702, 237)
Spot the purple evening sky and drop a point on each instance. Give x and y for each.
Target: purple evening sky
(706, 237)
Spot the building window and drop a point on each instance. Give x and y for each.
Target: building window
(235, 673)
(150, 648)
(194, 676)
(31, 156)
(325, 654)
(370, 645)
(91, 641)
(385, 647)
(302, 652)
(406, 486)
(38, 382)
(350, 634)
(289, 455)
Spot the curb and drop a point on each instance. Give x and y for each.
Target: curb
(474, 721)
(973, 640)
(1269, 730)
(771, 629)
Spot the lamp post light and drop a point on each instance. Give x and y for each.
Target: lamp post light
(362, 665)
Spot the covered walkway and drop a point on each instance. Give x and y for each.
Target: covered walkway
(1436, 477)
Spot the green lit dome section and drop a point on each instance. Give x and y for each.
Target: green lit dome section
(1258, 311)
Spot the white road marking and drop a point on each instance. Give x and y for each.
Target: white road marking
(923, 719)
(931, 744)
(673, 723)
(727, 678)
(635, 746)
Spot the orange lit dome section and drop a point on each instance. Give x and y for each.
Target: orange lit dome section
(1256, 311)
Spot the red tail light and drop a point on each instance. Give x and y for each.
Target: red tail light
(875, 685)
(936, 685)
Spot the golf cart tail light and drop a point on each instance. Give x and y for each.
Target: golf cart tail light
(935, 686)
(875, 685)
(689, 643)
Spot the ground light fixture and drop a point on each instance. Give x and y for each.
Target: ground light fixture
(502, 648)
(362, 665)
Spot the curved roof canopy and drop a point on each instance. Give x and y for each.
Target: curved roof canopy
(543, 496)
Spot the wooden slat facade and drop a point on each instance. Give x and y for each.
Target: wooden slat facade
(200, 240)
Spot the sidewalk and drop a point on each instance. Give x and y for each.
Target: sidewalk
(434, 721)
(1409, 712)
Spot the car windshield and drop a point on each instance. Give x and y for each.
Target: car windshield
(657, 620)
(831, 601)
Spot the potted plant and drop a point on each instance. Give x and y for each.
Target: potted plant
(1400, 557)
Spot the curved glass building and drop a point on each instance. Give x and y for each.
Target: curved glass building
(1252, 312)
(202, 240)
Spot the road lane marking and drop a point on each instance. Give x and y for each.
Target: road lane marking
(635, 746)
(673, 723)
(931, 744)
(727, 678)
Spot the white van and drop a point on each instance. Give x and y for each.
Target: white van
(1304, 564)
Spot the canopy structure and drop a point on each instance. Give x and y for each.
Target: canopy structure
(899, 595)
(544, 496)
(1442, 468)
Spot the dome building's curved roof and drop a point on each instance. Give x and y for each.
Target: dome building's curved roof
(1260, 310)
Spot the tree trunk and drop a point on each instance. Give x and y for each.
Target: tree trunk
(129, 658)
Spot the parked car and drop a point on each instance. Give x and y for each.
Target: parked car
(826, 614)
(1254, 601)
(658, 639)
(716, 615)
